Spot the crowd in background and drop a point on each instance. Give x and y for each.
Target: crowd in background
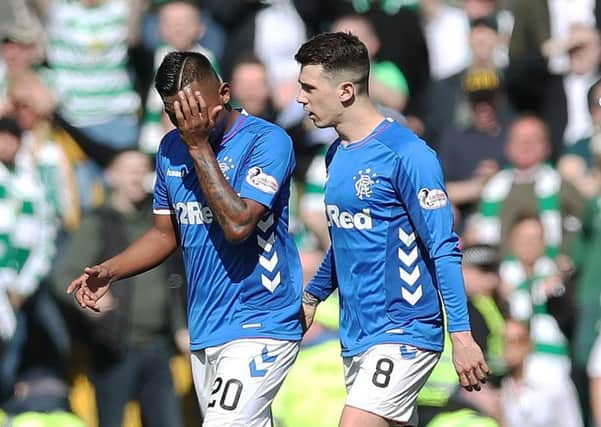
(508, 93)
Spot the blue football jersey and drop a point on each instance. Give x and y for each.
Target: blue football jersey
(393, 248)
(245, 290)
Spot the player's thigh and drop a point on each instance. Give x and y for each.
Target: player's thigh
(386, 379)
(248, 375)
(355, 417)
(203, 374)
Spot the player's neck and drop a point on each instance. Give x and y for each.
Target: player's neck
(229, 118)
(358, 122)
(225, 121)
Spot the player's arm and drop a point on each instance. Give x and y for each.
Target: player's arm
(319, 288)
(148, 251)
(152, 248)
(236, 215)
(420, 185)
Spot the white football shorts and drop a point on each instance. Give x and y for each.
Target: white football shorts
(386, 378)
(236, 382)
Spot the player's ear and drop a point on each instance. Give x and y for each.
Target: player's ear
(224, 93)
(346, 92)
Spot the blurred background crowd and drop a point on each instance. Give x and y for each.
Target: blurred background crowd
(508, 92)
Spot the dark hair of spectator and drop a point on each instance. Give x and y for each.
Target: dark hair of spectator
(337, 53)
(179, 69)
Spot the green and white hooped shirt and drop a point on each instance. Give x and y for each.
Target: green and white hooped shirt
(88, 50)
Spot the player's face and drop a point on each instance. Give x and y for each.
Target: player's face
(319, 96)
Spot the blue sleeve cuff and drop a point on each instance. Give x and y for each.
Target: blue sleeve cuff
(319, 293)
(263, 198)
(459, 327)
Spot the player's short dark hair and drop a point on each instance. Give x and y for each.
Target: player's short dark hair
(337, 52)
(179, 69)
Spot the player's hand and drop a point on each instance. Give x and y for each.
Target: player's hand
(469, 361)
(194, 120)
(92, 285)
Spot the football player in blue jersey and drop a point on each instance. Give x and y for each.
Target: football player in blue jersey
(221, 193)
(394, 256)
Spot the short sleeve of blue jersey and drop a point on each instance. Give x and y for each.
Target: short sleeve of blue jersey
(420, 184)
(160, 200)
(268, 167)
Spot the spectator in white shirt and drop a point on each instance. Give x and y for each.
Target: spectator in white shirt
(529, 400)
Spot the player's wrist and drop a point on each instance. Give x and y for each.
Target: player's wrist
(200, 145)
(110, 271)
(310, 299)
(461, 336)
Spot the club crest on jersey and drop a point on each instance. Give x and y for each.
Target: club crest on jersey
(432, 198)
(262, 181)
(364, 180)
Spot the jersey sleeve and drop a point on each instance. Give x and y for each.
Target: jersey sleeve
(160, 199)
(420, 184)
(268, 167)
(324, 282)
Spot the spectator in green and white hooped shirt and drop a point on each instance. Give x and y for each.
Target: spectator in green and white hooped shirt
(10, 136)
(27, 236)
(26, 232)
(34, 105)
(88, 43)
(88, 50)
(180, 28)
(529, 184)
(533, 285)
